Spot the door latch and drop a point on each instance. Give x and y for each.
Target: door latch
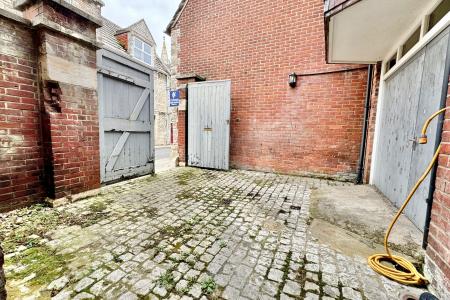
(414, 142)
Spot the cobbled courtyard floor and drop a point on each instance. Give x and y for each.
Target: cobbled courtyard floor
(184, 234)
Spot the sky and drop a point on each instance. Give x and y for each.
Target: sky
(157, 15)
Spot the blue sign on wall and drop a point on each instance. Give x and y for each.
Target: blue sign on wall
(174, 98)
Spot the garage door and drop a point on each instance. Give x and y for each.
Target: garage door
(126, 117)
(411, 95)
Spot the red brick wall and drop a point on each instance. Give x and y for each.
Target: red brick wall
(47, 149)
(72, 134)
(438, 250)
(21, 157)
(372, 121)
(182, 135)
(123, 40)
(315, 128)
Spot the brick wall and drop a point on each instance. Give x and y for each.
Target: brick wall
(181, 135)
(313, 129)
(372, 120)
(21, 157)
(438, 250)
(71, 133)
(123, 40)
(48, 107)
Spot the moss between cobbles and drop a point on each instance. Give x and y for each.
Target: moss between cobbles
(184, 176)
(38, 221)
(302, 279)
(149, 211)
(285, 271)
(45, 263)
(99, 206)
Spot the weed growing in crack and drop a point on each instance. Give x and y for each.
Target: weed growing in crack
(191, 281)
(166, 280)
(117, 259)
(183, 291)
(208, 286)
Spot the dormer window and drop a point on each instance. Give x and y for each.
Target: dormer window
(142, 51)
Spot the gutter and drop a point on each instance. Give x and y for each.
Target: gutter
(362, 151)
(445, 85)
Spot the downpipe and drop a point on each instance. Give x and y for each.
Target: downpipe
(362, 151)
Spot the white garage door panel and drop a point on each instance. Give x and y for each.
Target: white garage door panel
(410, 96)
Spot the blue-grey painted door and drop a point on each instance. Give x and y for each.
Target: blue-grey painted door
(411, 95)
(126, 117)
(209, 109)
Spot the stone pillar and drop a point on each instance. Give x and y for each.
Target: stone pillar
(2, 277)
(182, 83)
(67, 77)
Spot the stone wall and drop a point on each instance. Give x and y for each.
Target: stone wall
(162, 115)
(313, 129)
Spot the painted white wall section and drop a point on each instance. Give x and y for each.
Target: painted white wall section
(368, 30)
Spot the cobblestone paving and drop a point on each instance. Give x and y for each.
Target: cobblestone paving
(190, 234)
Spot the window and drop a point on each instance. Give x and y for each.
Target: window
(413, 40)
(440, 11)
(142, 51)
(391, 63)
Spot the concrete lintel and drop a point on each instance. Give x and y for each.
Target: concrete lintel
(80, 12)
(45, 23)
(21, 4)
(194, 76)
(12, 16)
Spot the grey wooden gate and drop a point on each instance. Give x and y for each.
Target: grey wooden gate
(209, 108)
(126, 117)
(411, 95)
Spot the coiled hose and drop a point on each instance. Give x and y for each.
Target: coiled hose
(407, 273)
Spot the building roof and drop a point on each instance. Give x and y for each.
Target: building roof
(141, 28)
(176, 16)
(107, 35)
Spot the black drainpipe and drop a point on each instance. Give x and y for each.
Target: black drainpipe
(362, 152)
(426, 230)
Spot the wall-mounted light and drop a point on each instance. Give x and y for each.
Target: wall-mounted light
(293, 80)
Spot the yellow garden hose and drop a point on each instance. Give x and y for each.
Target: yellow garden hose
(408, 274)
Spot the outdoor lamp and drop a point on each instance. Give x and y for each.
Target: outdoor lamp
(293, 80)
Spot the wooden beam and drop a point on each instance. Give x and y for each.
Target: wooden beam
(124, 137)
(122, 125)
(124, 77)
(139, 105)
